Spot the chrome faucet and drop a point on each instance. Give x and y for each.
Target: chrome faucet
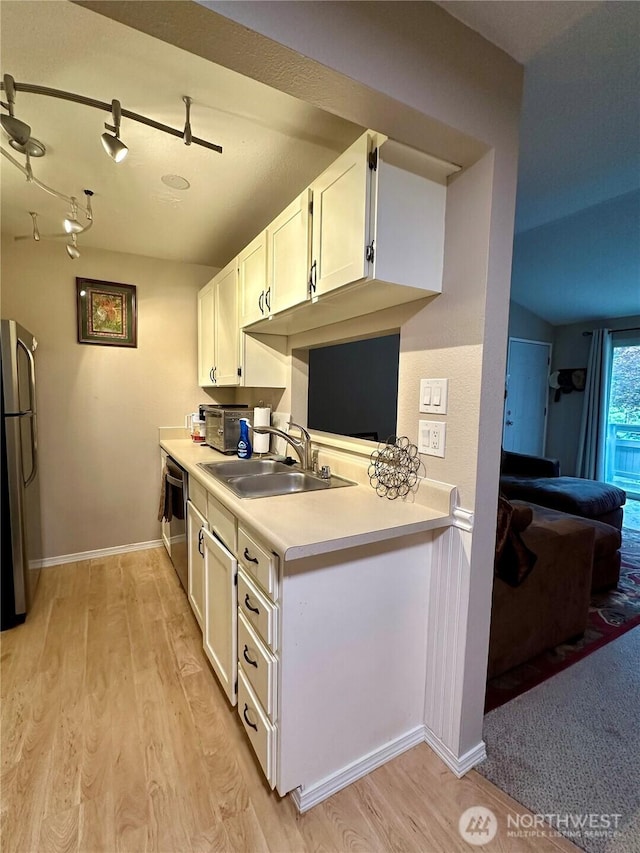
(302, 445)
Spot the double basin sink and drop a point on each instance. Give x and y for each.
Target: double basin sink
(261, 478)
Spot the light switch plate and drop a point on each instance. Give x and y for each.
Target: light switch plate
(431, 438)
(433, 396)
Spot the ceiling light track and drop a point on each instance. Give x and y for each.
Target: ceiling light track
(107, 107)
(72, 225)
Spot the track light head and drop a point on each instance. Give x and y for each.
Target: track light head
(72, 248)
(111, 142)
(115, 148)
(71, 224)
(17, 131)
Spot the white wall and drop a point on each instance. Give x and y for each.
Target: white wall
(571, 349)
(100, 406)
(527, 325)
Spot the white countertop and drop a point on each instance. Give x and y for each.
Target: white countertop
(304, 524)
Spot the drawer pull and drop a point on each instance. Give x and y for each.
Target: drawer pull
(248, 557)
(245, 655)
(246, 719)
(200, 541)
(247, 604)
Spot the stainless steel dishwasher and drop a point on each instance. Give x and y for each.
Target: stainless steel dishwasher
(178, 481)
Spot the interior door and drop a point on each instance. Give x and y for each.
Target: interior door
(527, 394)
(220, 638)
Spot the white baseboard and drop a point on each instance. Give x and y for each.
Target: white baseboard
(458, 765)
(306, 798)
(95, 555)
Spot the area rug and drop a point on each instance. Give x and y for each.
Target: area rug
(568, 751)
(611, 614)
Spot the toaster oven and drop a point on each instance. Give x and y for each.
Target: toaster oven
(222, 426)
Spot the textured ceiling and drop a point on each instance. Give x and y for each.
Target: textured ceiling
(274, 145)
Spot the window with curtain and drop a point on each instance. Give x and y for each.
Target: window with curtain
(622, 443)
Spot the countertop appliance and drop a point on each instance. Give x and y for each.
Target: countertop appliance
(21, 525)
(222, 426)
(177, 481)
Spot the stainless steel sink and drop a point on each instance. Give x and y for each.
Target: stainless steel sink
(261, 478)
(243, 467)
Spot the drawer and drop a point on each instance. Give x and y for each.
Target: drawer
(261, 563)
(222, 522)
(257, 610)
(198, 495)
(261, 732)
(258, 664)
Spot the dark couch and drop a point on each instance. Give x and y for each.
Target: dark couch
(537, 479)
(551, 604)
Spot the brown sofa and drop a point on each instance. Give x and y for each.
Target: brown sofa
(551, 604)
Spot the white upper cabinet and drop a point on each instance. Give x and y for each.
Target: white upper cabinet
(378, 215)
(218, 332)
(341, 219)
(252, 270)
(227, 334)
(206, 341)
(288, 256)
(228, 356)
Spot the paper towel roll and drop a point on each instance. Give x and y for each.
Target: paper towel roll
(261, 417)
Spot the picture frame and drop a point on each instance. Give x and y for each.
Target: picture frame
(107, 313)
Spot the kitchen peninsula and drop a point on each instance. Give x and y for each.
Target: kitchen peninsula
(326, 653)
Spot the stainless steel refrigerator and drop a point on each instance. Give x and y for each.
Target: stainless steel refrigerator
(20, 500)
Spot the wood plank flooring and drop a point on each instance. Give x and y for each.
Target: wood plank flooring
(116, 737)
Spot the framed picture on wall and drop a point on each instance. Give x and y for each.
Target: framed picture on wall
(107, 313)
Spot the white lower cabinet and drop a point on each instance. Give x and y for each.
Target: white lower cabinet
(196, 527)
(325, 657)
(220, 638)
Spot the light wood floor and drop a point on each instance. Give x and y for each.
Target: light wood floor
(116, 736)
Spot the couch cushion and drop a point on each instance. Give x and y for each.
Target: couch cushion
(587, 498)
(607, 538)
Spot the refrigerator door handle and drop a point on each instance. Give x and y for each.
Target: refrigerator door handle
(32, 405)
(34, 452)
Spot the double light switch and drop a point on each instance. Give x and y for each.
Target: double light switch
(433, 396)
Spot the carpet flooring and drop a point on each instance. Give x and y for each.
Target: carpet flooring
(611, 614)
(570, 748)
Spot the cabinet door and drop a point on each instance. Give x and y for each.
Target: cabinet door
(227, 334)
(220, 639)
(288, 255)
(252, 270)
(206, 350)
(341, 219)
(196, 525)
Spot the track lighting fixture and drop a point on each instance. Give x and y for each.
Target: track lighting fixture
(20, 139)
(111, 142)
